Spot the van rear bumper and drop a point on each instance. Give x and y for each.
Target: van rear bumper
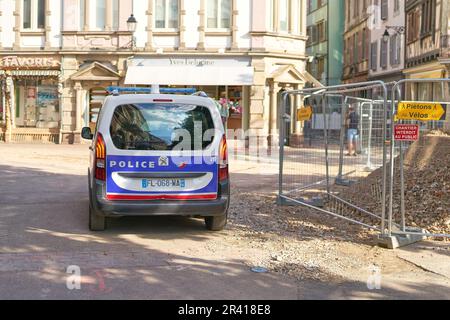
(201, 208)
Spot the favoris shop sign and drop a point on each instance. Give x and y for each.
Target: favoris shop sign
(406, 132)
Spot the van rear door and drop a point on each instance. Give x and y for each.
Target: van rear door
(162, 151)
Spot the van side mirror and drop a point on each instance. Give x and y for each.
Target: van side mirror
(86, 133)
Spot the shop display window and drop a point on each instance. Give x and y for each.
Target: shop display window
(37, 103)
(231, 99)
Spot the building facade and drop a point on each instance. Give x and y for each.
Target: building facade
(427, 32)
(325, 46)
(387, 53)
(356, 41)
(58, 57)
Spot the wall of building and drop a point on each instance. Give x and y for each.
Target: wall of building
(254, 33)
(317, 48)
(422, 47)
(394, 18)
(356, 41)
(336, 42)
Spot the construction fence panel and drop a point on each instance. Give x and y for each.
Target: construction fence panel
(419, 179)
(322, 172)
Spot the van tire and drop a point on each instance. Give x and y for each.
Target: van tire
(96, 222)
(217, 223)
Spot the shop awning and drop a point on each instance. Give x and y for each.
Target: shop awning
(190, 76)
(36, 73)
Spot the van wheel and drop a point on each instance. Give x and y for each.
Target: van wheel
(216, 223)
(96, 222)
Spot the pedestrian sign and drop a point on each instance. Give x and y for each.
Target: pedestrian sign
(304, 114)
(421, 111)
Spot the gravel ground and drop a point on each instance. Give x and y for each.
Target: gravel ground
(427, 189)
(301, 244)
(310, 245)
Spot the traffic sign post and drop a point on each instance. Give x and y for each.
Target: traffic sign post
(421, 111)
(304, 114)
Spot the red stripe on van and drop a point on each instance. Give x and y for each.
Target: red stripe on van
(163, 197)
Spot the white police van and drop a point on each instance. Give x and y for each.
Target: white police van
(158, 154)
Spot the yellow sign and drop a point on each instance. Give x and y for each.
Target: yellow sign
(304, 114)
(421, 111)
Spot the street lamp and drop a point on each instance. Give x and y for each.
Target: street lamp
(398, 30)
(131, 25)
(386, 36)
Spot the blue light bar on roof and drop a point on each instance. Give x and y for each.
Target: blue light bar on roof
(119, 90)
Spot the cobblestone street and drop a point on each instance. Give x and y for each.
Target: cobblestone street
(44, 230)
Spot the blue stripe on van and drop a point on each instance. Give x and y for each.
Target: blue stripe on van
(139, 164)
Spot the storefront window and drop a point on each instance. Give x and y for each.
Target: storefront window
(231, 99)
(37, 103)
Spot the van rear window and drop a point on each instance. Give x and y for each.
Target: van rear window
(152, 126)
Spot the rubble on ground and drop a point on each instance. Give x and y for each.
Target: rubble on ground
(427, 189)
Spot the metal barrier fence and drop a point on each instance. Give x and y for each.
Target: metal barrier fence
(320, 173)
(398, 206)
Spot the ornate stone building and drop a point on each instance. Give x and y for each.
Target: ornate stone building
(246, 51)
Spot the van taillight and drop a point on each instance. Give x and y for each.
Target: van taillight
(223, 162)
(100, 158)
